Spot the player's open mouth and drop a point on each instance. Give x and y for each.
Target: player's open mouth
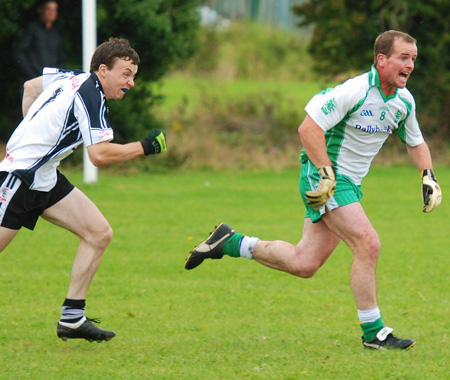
(404, 75)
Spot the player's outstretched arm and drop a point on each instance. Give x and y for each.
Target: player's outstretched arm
(110, 153)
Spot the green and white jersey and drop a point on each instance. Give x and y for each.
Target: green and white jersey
(357, 118)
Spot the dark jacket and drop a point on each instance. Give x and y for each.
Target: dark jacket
(37, 48)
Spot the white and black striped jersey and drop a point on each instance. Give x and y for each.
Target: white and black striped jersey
(71, 110)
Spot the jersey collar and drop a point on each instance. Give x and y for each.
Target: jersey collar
(97, 81)
(374, 77)
(374, 80)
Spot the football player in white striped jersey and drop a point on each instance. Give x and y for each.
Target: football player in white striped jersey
(63, 109)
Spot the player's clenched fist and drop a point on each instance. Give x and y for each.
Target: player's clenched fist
(155, 142)
(327, 183)
(431, 191)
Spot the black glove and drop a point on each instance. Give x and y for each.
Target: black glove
(154, 142)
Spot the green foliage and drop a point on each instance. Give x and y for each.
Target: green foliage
(241, 96)
(251, 123)
(163, 32)
(344, 32)
(230, 318)
(251, 51)
(13, 14)
(133, 116)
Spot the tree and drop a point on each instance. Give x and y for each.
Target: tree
(343, 36)
(163, 32)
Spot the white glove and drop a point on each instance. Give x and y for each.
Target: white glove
(317, 198)
(431, 191)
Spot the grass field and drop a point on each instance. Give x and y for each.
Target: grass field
(227, 319)
(184, 91)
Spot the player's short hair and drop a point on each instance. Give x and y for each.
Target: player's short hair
(385, 43)
(109, 51)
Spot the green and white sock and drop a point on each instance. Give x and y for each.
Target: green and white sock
(231, 247)
(370, 322)
(247, 247)
(240, 245)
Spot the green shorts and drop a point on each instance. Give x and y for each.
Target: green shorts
(346, 191)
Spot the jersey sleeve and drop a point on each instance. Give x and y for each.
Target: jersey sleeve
(329, 107)
(53, 74)
(49, 75)
(91, 111)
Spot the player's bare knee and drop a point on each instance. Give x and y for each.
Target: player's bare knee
(374, 246)
(100, 238)
(106, 236)
(370, 248)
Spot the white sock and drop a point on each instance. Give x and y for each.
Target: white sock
(367, 316)
(73, 325)
(247, 246)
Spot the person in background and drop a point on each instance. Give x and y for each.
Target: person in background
(40, 44)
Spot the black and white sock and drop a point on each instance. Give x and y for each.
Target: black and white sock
(72, 313)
